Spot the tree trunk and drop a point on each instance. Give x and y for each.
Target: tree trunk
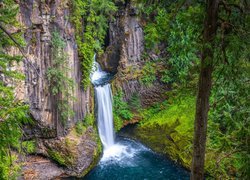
(205, 82)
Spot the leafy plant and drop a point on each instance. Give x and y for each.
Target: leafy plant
(120, 107)
(148, 73)
(94, 15)
(135, 102)
(59, 82)
(29, 146)
(13, 112)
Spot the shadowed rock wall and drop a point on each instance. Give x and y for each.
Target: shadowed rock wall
(41, 19)
(124, 56)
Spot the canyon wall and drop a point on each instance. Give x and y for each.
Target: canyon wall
(40, 19)
(55, 139)
(124, 56)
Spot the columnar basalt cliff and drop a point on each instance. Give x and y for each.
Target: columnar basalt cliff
(40, 20)
(55, 138)
(124, 56)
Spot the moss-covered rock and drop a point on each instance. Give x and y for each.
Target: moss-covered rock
(77, 153)
(167, 128)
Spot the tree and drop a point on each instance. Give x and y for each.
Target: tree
(13, 113)
(204, 88)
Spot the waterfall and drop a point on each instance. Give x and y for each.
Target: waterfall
(103, 96)
(103, 100)
(105, 114)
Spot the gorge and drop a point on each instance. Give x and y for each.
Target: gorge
(107, 89)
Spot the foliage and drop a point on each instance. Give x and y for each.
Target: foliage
(118, 122)
(120, 107)
(90, 35)
(148, 73)
(89, 120)
(60, 158)
(168, 127)
(172, 33)
(134, 102)
(29, 146)
(81, 126)
(229, 116)
(13, 113)
(59, 82)
(183, 45)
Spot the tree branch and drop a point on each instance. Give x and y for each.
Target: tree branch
(19, 48)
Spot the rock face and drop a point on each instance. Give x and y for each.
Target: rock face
(75, 153)
(124, 56)
(41, 19)
(38, 167)
(125, 38)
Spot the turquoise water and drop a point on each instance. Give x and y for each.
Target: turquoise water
(130, 160)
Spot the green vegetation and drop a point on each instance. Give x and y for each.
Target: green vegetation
(168, 128)
(175, 43)
(121, 110)
(13, 113)
(58, 76)
(173, 36)
(173, 33)
(134, 102)
(91, 22)
(29, 146)
(89, 120)
(81, 126)
(120, 106)
(60, 158)
(148, 73)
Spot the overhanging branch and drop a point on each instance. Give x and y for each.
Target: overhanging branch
(19, 48)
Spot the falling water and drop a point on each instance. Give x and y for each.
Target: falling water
(104, 114)
(104, 105)
(124, 159)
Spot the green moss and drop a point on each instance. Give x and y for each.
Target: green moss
(96, 155)
(80, 128)
(29, 146)
(60, 158)
(168, 129)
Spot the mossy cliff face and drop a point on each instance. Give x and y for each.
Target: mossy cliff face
(168, 129)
